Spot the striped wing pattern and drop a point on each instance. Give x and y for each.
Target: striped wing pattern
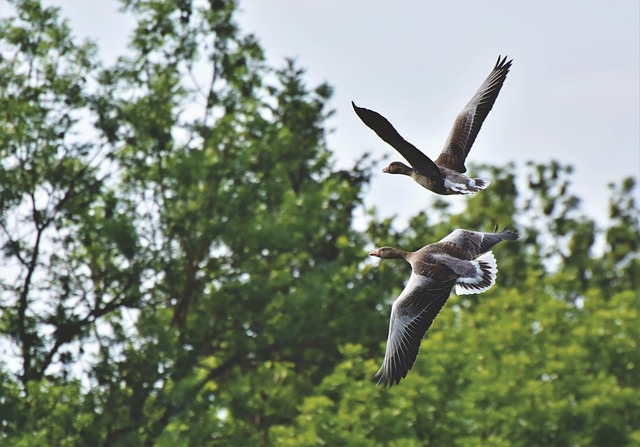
(469, 121)
(411, 316)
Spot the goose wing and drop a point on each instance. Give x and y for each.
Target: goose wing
(411, 316)
(468, 122)
(467, 244)
(385, 130)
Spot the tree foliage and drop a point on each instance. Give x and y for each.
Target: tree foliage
(180, 264)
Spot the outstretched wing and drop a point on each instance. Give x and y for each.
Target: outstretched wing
(468, 244)
(468, 122)
(411, 316)
(385, 130)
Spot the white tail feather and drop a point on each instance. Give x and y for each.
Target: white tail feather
(485, 279)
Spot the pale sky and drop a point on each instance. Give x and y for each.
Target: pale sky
(573, 93)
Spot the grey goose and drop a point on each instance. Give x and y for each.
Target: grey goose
(461, 260)
(445, 175)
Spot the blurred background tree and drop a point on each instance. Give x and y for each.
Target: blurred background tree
(180, 264)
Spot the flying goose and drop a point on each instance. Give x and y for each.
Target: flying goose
(445, 175)
(435, 270)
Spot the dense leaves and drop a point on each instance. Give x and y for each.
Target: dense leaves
(180, 264)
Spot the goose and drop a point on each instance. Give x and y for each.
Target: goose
(446, 175)
(435, 270)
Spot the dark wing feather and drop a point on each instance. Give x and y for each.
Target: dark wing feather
(411, 316)
(469, 121)
(385, 130)
(466, 244)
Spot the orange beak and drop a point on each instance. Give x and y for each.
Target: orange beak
(375, 253)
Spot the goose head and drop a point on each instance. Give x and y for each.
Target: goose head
(397, 167)
(389, 253)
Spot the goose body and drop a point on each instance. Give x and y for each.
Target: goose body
(447, 174)
(461, 260)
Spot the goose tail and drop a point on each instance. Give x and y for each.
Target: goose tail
(487, 269)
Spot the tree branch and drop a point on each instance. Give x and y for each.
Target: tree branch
(26, 338)
(67, 331)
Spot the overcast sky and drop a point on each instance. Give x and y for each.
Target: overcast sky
(572, 93)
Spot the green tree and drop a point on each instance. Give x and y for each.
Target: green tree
(180, 265)
(549, 359)
(168, 275)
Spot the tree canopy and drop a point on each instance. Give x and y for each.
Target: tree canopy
(180, 264)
